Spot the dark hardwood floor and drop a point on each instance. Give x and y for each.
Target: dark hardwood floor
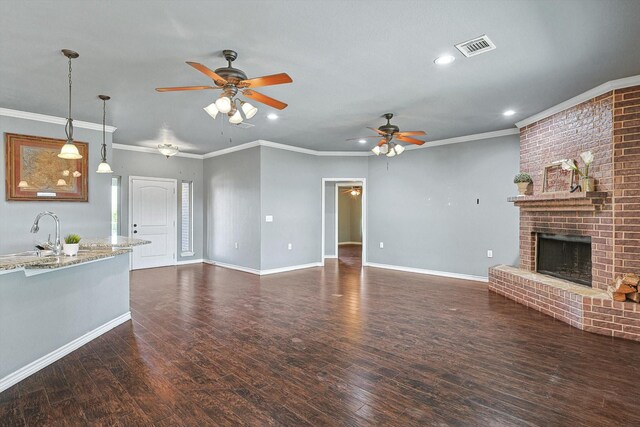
(337, 346)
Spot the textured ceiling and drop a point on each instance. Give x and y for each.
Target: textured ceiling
(351, 61)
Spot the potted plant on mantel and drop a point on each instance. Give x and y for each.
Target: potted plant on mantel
(586, 182)
(523, 181)
(71, 245)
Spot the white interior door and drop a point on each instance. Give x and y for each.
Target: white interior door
(153, 204)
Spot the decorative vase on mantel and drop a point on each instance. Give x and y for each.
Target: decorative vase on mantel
(588, 184)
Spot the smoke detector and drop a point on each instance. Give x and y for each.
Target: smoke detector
(476, 46)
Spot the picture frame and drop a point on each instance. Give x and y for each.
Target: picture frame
(34, 172)
(555, 179)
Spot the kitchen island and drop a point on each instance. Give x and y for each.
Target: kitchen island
(50, 306)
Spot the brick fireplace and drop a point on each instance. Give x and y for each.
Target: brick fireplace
(609, 218)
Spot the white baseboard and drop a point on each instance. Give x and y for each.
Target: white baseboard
(429, 272)
(330, 256)
(290, 268)
(263, 272)
(233, 267)
(190, 261)
(349, 243)
(59, 353)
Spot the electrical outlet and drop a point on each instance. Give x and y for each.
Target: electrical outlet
(489, 253)
(268, 218)
(381, 245)
(290, 246)
(236, 245)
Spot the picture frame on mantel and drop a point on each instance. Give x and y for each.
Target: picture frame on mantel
(34, 172)
(557, 180)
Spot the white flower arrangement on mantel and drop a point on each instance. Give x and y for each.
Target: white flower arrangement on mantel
(586, 182)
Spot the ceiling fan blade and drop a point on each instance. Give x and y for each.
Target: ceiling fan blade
(204, 70)
(378, 131)
(173, 89)
(412, 133)
(409, 140)
(382, 141)
(363, 137)
(264, 99)
(274, 79)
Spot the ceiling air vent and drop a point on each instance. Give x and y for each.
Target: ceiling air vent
(244, 125)
(476, 46)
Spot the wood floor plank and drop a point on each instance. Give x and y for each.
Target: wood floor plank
(338, 345)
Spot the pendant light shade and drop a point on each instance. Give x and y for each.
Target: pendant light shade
(69, 150)
(104, 167)
(211, 110)
(235, 118)
(248, 109)
(223, 104)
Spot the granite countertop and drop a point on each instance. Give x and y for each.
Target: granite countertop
(111, 242)
(53, 262)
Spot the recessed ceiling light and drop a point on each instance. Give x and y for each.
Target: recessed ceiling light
(509, 113)
(362, 141)
(272, 116)
(445, 59)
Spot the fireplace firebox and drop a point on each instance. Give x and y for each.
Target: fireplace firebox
(565, 257)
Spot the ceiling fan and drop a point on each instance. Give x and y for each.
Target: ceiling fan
(354, 191)
(389, 132)
(233, 80)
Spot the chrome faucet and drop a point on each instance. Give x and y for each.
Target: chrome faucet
(56, 247)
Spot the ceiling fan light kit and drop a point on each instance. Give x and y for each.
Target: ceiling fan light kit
(233, 81)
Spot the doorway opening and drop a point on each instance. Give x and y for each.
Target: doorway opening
(344, 220)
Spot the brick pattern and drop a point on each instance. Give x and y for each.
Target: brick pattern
(626, 174)
(598, 315)
(609, 126)
(587, 126)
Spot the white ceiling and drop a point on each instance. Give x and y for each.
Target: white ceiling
(351, 61)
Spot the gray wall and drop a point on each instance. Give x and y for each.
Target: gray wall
(232, 207)
(423, 207)
(291, 192)
(40, 314)
(90, 219)
(131, 163)
(349, 217)
(330, 219)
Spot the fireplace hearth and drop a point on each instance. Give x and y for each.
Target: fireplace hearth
(565, 257)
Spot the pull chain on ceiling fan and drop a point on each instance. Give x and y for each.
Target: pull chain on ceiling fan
(389, 132)
(233, 81)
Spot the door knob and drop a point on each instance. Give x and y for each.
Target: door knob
(135, 225)
(135, 231)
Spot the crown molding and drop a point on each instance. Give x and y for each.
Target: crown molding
(592, 93)
(465, 138)
(7, 112)
(151, 150)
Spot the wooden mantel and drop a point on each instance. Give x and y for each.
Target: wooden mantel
(561, 201)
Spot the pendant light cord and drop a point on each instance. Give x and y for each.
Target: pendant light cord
(104, 120)
(68, 129)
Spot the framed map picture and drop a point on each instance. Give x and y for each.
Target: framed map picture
(556, 179)
(34, 172)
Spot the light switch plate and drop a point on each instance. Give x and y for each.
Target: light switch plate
(290, 246)
(489, 253)
(268, 218)
(236, 245)
(381, 245)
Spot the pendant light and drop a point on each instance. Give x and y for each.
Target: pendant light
(104, 167)
(69, 150)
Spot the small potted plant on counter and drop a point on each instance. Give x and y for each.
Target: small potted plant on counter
(523, 181)
(71, 245)
(586, 182)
